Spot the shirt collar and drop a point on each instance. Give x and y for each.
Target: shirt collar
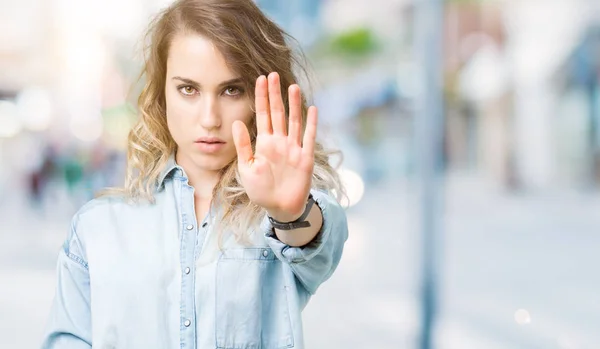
(169, 167)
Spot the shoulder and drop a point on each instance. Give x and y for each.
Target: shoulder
(98, 206)
(106, 215)
(90, 215)
(108, 209)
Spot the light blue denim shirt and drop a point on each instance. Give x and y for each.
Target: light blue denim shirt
(146, 276)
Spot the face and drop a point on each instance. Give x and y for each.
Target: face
(203, 99)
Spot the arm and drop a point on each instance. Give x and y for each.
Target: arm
(278, 174)
(301, 235)
(314, 262)
(69, 323)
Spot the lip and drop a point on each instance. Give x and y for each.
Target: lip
(209, 144)
(209, 140)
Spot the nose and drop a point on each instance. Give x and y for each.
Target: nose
(209, 115)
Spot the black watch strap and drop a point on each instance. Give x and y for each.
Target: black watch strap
(298, 223)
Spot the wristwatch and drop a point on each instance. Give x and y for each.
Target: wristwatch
(298, 223)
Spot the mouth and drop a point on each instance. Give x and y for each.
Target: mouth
(210, 145)
(206, 140)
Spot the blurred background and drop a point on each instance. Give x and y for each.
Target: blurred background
(516, 244)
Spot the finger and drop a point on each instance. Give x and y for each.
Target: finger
(276, 103)
(295, 114)
(261, 99)
(241, 140)
(310, 134)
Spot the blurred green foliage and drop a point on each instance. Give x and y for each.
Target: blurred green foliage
(355, 42)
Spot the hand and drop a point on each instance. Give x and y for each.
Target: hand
(278, 175)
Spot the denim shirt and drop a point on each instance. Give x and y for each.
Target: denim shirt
(146, 276)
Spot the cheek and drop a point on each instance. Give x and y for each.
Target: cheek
(176, 111)
(239, 111)
(176, 121)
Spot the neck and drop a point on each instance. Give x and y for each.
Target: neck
(203, 181)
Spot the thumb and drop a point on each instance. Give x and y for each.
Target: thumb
(241, 140)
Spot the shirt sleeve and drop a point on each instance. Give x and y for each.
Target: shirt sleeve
(316, 261)
(69, 323)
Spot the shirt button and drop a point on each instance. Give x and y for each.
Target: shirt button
(187, 323)
(189, 227)
(204, 224)
(187, 270)
(265, 253)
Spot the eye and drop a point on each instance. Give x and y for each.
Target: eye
(187, 90)
(233, 91)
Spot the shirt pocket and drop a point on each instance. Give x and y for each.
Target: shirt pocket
(252, 310)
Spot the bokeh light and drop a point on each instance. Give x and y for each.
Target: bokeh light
(35, 108)
(522, 317)
(10, 125)
(354, 185)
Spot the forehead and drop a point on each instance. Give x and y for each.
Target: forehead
(197, 58)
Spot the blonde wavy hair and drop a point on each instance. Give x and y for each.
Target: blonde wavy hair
(252, 46)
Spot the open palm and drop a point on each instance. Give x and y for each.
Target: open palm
(278, 175)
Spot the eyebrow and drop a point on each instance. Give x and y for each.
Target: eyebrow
(197, 84)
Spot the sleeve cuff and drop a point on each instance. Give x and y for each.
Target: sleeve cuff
(307, 252)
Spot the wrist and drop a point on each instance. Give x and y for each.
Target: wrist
(284, 217)
(286, 221)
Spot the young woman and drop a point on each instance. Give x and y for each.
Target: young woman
(225, 226)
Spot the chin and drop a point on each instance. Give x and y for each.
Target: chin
(211, 162)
